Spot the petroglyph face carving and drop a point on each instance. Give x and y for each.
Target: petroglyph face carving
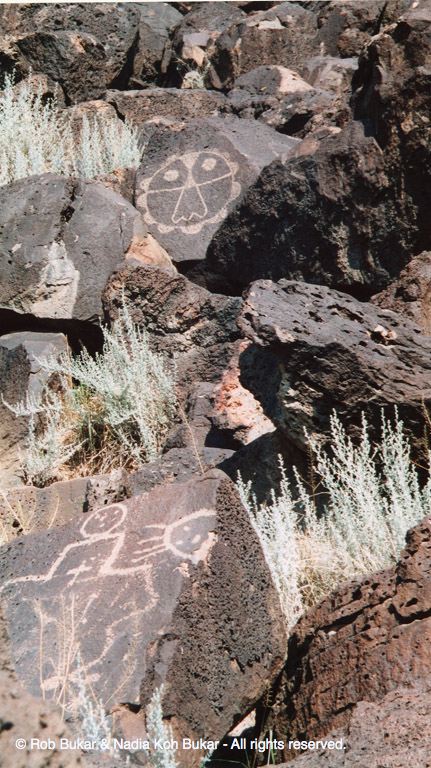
(190, 191)
(103, 595)
(104, 521)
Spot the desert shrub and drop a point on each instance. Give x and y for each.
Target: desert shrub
(371, 497)
(158, 729)
(37, 137)
(110, 410)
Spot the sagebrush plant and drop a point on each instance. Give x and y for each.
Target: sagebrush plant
(158, 729)
(91, 720)
(37, 137)
(372, 497)
(111, 410)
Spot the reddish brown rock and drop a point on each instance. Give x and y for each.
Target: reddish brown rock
(363, 643)
(393, 733)
(410, 295)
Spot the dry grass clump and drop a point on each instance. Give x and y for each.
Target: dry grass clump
(37, 137)
(108, 411)
(372, 497)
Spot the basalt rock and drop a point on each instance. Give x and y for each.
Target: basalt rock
(60, 240)
(168, 588)
(190, 179)
(361, 660)
(151, 104)
(195, 35)
(323, 350)
(84, 49)
(330, 215)
(392, 98)
(392, 732)
(285, 34)
(157, 22)
(410, 295)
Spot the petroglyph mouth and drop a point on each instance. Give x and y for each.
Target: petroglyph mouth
(190, 191)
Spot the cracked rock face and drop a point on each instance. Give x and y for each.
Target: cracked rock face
(327, 351)
(362, 643)
(60, 240)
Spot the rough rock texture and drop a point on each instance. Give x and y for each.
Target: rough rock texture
(60, 239)
(23, 716)
(195, 35)
(198, 330)
(330, 72)
(410, 295)
(154, 103)
(173, 583)
(331, 215)
(190, 179)
(184, 321)
(394, 732)
(21, 377)
(366, 640)
(346, 26)
(392, 98)
(321, 350)
(285, 34)
(157, 21)
(85, 49)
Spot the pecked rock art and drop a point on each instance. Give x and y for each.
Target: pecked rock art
(192, 177)
(127, 597)
(63, 606)
(191, 191)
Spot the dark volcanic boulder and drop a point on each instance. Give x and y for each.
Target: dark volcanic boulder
(330, 215)
(184, 321)
(190, 179)
(367, 642)
(157, 21)
(75, 60)
(410, 295)
(21, 377)
(195, 35)
(168, 588)
(323, 350)
(285, 34)
(60, 239)
(393, 99)
(84, 48)
(174, 103)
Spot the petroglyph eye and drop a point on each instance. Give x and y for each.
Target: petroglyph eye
(191, 537)
(190, 191)
(104, 520)
(172, 175)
